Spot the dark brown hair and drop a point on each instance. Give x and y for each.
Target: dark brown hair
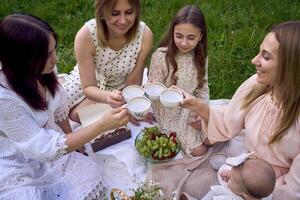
(103, 8)
(24, 50)
(193, 15)
(288, 81)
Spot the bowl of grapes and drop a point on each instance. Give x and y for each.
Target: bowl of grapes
(157, 146)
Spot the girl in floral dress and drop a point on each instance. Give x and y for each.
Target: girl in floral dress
(181, 60)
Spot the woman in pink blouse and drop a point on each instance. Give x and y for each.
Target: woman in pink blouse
(267, 107)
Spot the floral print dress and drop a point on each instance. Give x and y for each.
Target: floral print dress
(178, 119)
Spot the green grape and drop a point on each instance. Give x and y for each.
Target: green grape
(155, 144)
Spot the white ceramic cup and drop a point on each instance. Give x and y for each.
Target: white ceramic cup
(139, 107)
(132, 91)
(153, 90)
(170, 97)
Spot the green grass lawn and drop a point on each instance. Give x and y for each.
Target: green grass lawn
(235, 30)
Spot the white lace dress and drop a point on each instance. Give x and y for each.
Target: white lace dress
(33, 163)
(111, 67)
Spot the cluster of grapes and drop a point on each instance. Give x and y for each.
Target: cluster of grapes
(157, 145)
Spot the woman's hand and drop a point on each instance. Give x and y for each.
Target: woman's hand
(190, 102)
(114, 98)
(115, 118)
(194, 104)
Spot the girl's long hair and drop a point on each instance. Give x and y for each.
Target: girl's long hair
(193, 15)
(288, 81)
(24, 50)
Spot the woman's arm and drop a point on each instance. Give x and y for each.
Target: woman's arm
(196, 105)
(85, 52)
(288, 185)
(223, 122)
(112, 119)
(136, 76)
(46, 144)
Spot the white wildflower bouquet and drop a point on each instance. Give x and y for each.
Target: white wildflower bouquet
(146, 191)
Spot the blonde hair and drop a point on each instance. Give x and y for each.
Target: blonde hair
(103, 8)
(288, 37)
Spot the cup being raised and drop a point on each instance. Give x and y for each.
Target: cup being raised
(132, 91)
(170, 98)
(139, 107)
(153, 90)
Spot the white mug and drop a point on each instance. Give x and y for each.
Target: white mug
(170, 98)
(153, 90)
(139, 107)
(132, 91)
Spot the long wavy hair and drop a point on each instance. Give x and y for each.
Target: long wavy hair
(193, 15)
(288, 37)
(24, 46)
(103, 9)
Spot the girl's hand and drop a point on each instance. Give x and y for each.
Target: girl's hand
(115, 118)
(114, 98)
(149, 118)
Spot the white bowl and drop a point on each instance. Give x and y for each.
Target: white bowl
(170, 97)
(132, 91)
(154, 89)
(139, 107)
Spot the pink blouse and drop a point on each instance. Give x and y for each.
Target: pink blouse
(259, 122)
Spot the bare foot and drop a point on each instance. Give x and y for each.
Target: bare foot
(200, 150)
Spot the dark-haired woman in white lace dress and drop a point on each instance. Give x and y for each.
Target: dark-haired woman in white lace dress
(37, 158)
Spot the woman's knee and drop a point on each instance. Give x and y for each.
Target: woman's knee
(73, 115)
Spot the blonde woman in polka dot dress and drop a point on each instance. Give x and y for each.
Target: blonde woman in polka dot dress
(111, 51)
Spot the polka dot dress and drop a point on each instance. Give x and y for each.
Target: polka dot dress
(112, 66)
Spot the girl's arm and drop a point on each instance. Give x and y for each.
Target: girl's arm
(204, 91)
(136, 76)
(158, 67)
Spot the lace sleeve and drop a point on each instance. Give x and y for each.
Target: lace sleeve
(19, 125)
(62, 110)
